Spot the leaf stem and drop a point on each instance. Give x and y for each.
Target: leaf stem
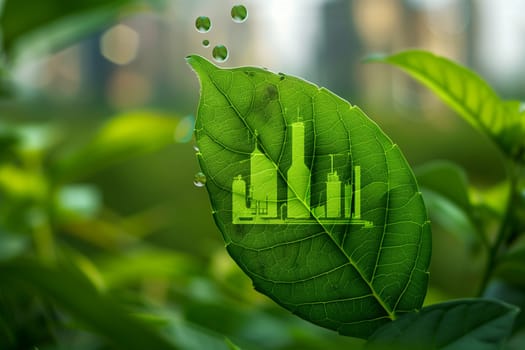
(505, 228)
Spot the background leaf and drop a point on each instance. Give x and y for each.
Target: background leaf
(79, 298)
(504, 291)
(460, 324)
(469, 95)
(445, 190)
(48, 25)
(511, 266)
(350, 278)
(447, 179)
(123, 136)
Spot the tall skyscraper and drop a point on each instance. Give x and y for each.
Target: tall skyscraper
(298, 177)
(239, 208)
(357, 192)
(263, 184)
(333, 192)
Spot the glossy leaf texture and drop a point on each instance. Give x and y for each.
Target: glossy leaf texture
(350, 272)
(456, 325)
(469, 95)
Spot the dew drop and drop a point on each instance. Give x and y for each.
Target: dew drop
(239, 13)
(205, 43)
(196, 148)
(203, 24)
(220, 53)
(199, 179)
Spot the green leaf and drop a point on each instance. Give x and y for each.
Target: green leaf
(511, 266)
(451, 217)
(469, 95)
(447, 179)
(12, 245)
(445, 190)
(460, 324)
(74, 294)
(123, 136)
(508, 293)
(137, 266)
(42, 26)
(348, 256)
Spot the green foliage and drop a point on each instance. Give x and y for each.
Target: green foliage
(75, 295)
(41, 26)
(447, 192)
(445, 189)
(78, 274)
(34, 208)
(469, 95)
(301, 266)
(454, 325)
(124, 136)
(257, 107)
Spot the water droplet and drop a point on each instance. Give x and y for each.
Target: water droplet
(196, 148)
(199, 179)
(203, 24)
(205, 43)
(239, 13)
(220, 53)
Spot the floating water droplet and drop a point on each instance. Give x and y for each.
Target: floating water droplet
(205, 43)
(203, 24)
(239, 13)
(199, 179)
(220, 53)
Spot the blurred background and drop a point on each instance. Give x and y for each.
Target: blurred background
(97, 162)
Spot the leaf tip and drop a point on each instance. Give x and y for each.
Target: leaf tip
(198, 63)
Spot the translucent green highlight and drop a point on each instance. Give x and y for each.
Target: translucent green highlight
(203, 24)
(257, 203)
(220, 53)
(239, 13)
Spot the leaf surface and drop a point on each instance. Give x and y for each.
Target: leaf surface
(469, 95)
(460, 324)
(315, 203)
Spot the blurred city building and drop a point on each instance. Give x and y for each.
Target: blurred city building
(139, 61)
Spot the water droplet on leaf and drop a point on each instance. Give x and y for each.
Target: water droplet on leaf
(199, 179)
(196, 148)
(220, 53)
(203, 24)
(239, 13)
(205, 43)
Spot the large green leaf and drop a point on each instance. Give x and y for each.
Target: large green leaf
(456, 325)
(469, 95)
(350, 269)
